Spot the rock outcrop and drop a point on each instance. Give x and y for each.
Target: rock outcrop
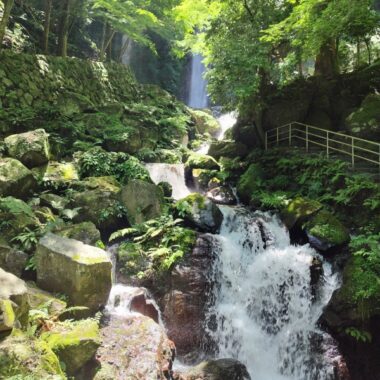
(12, 260)
(80, 271)
(31, 148)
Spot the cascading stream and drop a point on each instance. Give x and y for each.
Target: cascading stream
(262, 310)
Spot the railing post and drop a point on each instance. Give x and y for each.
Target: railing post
(327, 145)
(307, 138)
(353, 152)
(266, 141)
(290, 134)
(277, 137)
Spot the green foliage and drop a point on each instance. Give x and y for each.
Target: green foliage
(359, 335)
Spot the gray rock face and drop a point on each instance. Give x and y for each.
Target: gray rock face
(142, 200)
(15, 178)
(80, 271)
(14, 305)
(12, 260)
(85, 232)
(31, 148)
(221, 369)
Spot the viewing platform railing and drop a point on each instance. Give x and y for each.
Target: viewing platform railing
(332, 143)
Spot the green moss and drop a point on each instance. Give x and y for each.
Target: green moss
(250, 181)
(7, 314)
(299, 210)
(201, 161)
(327, 228)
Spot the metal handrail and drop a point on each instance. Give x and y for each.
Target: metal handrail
(329, 140)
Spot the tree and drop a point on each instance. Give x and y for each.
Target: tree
(63, 27)
(8, 5)
(47, 21)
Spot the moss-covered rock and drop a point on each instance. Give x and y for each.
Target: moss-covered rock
(250, 182)
(85, 232)
(74, 344)
(15, 179)
(325, 231)
(365, 121)
(39, 298)
(105, 183)
(22, 357)
(31, 148)
(12, 260)
(142, 200)
(70, 267)
(14, 290)
(205, 122)
(201, 161)
(298, 211)
(16, 217)
(227, 148)
(200, 212)
(200, 178)
(53, 201)
(57, 175)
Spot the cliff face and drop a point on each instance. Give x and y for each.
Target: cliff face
(332, 104)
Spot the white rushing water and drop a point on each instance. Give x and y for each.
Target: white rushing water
(198, 97)
(170, 173)
(262, 310)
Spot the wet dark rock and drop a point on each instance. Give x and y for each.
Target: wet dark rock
(221, 369)
(141, 304)
(316, 272)
(184, 305)
(222, 195)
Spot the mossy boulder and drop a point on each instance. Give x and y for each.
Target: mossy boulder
(71, 103)
(325, 231)
(60, 172)
(365, 121)
(22, 357)
(205, 122)
(227, 148)
(53, 201)
(104, 183)
(39, 298)
(14, 301)
(142, 200)
(250, 182)
(85, 232)
(357, 302)
(12, 260)
(298, 211)
(31, 148)
(80, 271)
(16, 217)
(202, 161)
(200, 212)
(16, 179)
(74, 344)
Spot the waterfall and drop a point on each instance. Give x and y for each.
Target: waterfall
(226, 121)
(126, 43)
(174, 174)
(262, 310)
(198, 97)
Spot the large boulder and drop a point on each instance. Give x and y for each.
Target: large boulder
(201, 161)
(200, 212)
(221, 369)
(70, 267)
(298, 211)
(142, 200)
(12, 260)
(325, 231)
(205, 122)
(31, 148)
(365, 121)
(59, 174)
(74, 343)
(14, 304)
(184, 306)
(15, 179)
(22, 357)
(222, 195)
(227, 148)
(135, 347)
(85, 232)
(250, 182)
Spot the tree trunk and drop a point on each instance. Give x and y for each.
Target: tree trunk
(358, 53)
(368, 45)
(64, 28)
(45, 44)
(326, 63)
(8, 5)
(108, 39)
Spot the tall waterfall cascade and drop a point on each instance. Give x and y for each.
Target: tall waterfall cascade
(262, 310)
(198, 97)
